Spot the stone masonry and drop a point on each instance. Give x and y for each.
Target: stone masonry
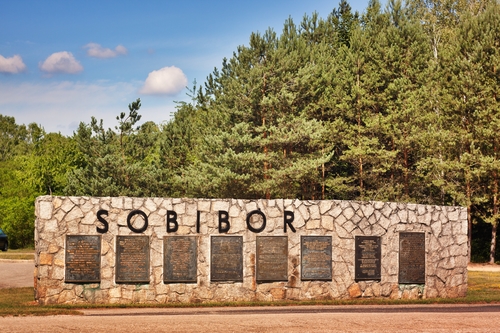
(445, 230)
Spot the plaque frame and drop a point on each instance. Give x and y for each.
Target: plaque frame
(412, 266)
(277, 275)
(312, 273)
(94, 276)
(235, 272)
(192, 260)
(142, 276)
(359, 274)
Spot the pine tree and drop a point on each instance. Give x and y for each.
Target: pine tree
(478, 89)
(406, 57)
(117, 163)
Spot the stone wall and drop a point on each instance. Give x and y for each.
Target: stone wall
(445, 230)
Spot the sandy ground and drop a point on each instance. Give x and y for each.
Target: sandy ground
(483, 267)
(300, 319)
(16, 273)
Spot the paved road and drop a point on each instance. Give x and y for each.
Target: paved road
(16, 273)
(300, 319)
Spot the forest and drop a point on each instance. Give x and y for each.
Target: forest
(398, 103)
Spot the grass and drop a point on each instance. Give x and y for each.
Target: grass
(18, 254)
(19, 302)
(484, 287)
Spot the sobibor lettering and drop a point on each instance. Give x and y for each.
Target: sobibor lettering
(172, 225)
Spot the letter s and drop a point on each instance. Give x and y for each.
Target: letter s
(101, 219)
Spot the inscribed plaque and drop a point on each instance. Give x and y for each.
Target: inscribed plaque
(367, 261)
(272, 258)
(83, 259)
(316, 258)
(412, 257)
(179, 259)
(132, 259)
(226, 259)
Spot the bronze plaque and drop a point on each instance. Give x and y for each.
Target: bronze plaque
(83, 259)
(272, 258)
(316, 258)
(179, 259)
(226, 258)
(412, 257)
(132, 259)
(367, 262)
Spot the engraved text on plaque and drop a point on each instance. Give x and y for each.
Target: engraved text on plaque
(368, 253)
(316, 258)
(226, 260)
(272, 258)
(132, 259)
(179, 261)
(83, 259)
(412, 257)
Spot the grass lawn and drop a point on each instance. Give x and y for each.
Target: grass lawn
(19, 254)
(484, 287)
(19, 302)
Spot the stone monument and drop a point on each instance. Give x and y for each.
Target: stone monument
(158, 250)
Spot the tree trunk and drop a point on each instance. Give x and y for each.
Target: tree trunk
(494, 226)
(406, 174)
(358, 84)
(266, 164)
(469, 218)
(469, 230)
(323, 181)
(493, 242)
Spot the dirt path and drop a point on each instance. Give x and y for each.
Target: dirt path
(483, 267)
(299, 319)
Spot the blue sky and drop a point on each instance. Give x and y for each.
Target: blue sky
(62, 62)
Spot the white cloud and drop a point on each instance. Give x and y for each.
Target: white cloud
(165, 81)
(12, 65)
(61, 62)
(61, 106)
(97, 51)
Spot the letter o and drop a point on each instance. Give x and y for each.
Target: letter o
(131, 227)
(262, 227)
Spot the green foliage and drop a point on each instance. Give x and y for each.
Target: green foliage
(16, 199)
(13, 138)
(16, 207)
(35, 164)
(45, 169)
(114, 164)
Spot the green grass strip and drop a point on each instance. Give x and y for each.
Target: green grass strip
(18, 254)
